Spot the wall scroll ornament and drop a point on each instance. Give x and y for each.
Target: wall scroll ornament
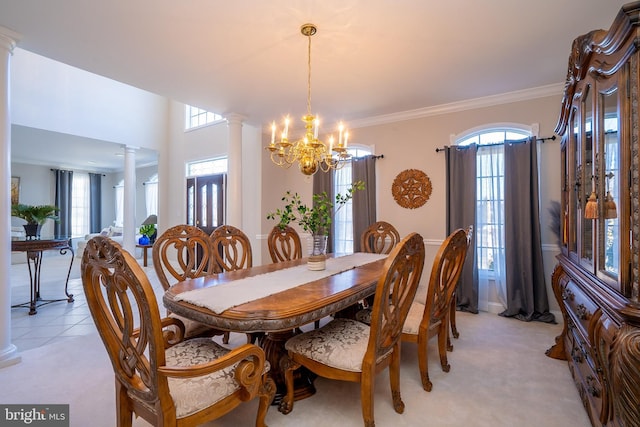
(411, 188)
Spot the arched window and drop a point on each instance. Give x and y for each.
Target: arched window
(343, 220)
(490, 187)
(489, 224)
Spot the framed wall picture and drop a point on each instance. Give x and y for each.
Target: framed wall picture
(15, 190)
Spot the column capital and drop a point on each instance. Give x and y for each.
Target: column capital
(234, 119)
(8, 38)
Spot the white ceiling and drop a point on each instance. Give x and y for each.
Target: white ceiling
(370, 58)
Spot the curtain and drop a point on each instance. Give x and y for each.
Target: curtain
(364, 201)
(461, 212)
(525, 281)
(151, 195)
(95, 205)
(63, 200)
(323, 181)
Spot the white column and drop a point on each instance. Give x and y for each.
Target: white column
(8, 352)
(129, 203)
(234, 184)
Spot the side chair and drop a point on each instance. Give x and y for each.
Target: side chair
(231, 249)
(452, 315)
(184, 252)
(284, 244)
(348, 350)
(379, 238)
(159, 376)
(432, 318)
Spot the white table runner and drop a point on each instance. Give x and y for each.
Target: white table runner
(222, 297)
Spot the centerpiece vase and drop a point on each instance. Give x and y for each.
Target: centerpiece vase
(317, 259)
(32, 231)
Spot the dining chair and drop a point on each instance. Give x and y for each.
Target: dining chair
(231, 249)
(184, 252)
(432, 318)
(284, 244)
(379, 238)
(348, 350)
(159, 375)
(452, 315)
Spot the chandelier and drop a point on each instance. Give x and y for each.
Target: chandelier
(310, 153)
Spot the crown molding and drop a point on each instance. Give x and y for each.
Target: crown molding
(469, 104)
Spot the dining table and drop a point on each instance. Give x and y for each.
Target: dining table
(272, 301)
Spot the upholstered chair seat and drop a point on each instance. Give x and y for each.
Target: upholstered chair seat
(194, 394)
(341, 343)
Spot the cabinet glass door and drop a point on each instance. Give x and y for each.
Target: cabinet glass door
(588, 184)
(609, 261)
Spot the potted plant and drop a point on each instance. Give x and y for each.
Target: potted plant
(35, 216)
(147, 231)
(315, 220)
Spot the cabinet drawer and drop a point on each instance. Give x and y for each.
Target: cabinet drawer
(579, 306)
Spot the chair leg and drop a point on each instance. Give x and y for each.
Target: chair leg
(225, 338)
(443, 336)
(125, 414)
(267, 392)
(423, 364)
(366, 398)
(452, 316)
(394, 377)
(288, 366)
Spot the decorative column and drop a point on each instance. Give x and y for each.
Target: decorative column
(8, 352)
(234, 184)
(129, 202)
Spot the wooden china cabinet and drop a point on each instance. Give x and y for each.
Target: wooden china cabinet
(597, 277)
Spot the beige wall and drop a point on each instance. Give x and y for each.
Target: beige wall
(412, 144)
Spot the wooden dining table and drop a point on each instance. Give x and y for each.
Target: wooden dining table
(276, 317)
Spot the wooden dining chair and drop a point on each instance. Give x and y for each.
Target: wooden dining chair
(379, 238)
(348, 350)
(284, 244)
(452, 314)
(432, 318)
(159, 375)
(184, 252)
(231, 249)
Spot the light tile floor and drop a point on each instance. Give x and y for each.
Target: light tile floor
(55, 321)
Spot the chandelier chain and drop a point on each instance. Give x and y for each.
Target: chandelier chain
(309, 76)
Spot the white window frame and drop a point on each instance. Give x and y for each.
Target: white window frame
(80, 205)
(197, 117)
(343, 218)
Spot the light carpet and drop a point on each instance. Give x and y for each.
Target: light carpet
(499, 376)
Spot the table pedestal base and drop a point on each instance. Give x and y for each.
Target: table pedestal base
(273, 346)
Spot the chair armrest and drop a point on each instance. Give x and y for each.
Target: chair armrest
(248, 373)
(173, 331)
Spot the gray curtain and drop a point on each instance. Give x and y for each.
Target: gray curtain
(364, 202)
(64, 185)
(95, 206)
(461, 213)
(323, 181)
(525, 281)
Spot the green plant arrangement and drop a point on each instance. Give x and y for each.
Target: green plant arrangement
(35, 214)
(316, 219)
(147, 230)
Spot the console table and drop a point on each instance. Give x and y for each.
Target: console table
(34, 250)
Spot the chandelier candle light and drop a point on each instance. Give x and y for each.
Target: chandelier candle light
(310, 153)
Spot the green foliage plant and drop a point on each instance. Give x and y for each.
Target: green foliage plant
(316, 219)
(35, 214)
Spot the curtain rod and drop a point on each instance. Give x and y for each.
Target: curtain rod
(549, 138)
